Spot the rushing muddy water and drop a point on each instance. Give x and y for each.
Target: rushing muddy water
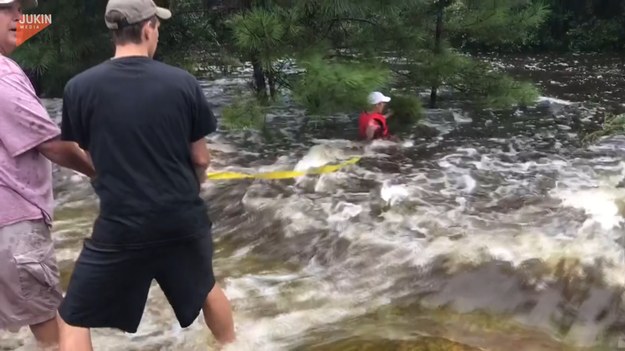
(501, 233)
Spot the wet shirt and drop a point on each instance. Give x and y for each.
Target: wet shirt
(137, 118)
(25, 174)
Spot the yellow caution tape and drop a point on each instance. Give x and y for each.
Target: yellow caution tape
(281, 174)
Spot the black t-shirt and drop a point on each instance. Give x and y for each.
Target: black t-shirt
(137, 118)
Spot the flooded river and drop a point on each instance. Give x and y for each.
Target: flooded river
(500, 233)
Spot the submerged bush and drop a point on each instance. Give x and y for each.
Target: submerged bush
(246, 113)
(407, 110)
(331, 86)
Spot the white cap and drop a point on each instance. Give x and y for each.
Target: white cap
(25, 3)
(376, 97)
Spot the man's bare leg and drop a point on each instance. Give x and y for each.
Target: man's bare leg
(46, 334)
(74, 338)
(218, 315)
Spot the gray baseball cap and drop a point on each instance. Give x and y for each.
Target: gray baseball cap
(134, 11)
(27, 4)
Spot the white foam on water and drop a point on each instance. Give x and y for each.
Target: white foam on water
(440, 205)
(317, 156)
(461, 117)
(514, 236)
(290, 314)
(265, 334)
(599, 204)
(554, 100)
(393, 194)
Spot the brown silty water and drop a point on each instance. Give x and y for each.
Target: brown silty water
(500, 232)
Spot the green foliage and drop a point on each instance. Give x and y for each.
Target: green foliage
(613, 125)
(591, 25)
(501, 91)
(580, 25)
(72, 43)
(78, 39)
(597, 35)
(246, 113)
(492, 89)
(332, 86)
(429, 68)
(407, 110)
(184, 35)
(490, 22)
(494, 22)
(475, 80)
(355, 32)
(346, 48)
(264, 33)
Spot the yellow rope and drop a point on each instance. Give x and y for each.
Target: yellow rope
(281, 174)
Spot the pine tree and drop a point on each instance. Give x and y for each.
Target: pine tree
(75, 40)
(78, 39)
(453, 24)
(344, 48)
(419, 40)
(326, 39)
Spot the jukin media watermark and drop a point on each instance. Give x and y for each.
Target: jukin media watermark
(31, 24)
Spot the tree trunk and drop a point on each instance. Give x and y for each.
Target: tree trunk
(260, 84)
(272, 84)
(437, 49)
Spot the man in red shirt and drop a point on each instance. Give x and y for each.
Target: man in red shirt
(372, 123)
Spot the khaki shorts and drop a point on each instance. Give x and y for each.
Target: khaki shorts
(30, 292)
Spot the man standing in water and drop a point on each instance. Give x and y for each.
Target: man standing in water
(143, 123)
(29, 278)
(372, 123)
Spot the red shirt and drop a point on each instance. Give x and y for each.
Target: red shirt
(366, 119)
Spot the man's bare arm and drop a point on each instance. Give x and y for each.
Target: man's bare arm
(67, 154)
(372, 129)
(200, 158)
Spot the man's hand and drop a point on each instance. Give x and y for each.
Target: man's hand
(389, 114)
(67, 154)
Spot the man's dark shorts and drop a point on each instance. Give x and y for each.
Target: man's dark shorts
(109, 288)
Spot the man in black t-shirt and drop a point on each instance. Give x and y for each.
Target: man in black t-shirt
(143, 124)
